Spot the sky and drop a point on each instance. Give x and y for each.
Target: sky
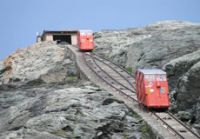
(20, 20)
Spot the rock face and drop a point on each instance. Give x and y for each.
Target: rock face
(171, 45)
(43, 97)
(154, 45)
(66, 112)
(186, 69)
(45, 62)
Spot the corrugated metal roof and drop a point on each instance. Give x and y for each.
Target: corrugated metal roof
(152, 71)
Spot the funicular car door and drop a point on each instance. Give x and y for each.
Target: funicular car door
(162, 89)
(89, 39)
(83, 40)
(151, 92)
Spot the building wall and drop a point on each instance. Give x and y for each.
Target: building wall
(74, 39)
(38, 39)
(48, 37)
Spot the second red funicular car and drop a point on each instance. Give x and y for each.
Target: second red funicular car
(85, 40)
(152, 88)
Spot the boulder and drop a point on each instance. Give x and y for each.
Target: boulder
(184, 116)
(183, 73)
(178, 67)
(188, 90)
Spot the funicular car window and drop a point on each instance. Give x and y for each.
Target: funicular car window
(83, 33)
(89, 33)
(86, 33)
(155, 77)
(149, 77)
(161, 78)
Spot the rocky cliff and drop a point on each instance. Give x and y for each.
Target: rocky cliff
(43, 97)
(42, 94)
(171, 45)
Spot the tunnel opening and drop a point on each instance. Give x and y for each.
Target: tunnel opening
(62, 38)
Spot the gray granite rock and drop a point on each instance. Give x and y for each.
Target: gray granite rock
(42, 97)
(171, 45)
(44, 62)
(66, 112)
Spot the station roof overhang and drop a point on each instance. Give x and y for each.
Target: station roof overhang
(59, 32)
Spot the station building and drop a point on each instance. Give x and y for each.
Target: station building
(68, 36)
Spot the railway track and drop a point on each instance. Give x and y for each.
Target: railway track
(119, 79)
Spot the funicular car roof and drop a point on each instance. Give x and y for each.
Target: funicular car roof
(152, 71)
(86, 31)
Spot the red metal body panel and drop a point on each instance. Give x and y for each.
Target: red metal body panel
(152, 88)
(85, 40)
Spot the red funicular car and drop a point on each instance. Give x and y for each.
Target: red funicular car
(85, 40)
(152, 88)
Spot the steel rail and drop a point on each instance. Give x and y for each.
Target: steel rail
(129, 96)
(131, 75)
(112, 77)
(180, 122)
(114, 64)
(171, 128)
(103, 61)
(121, 92)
